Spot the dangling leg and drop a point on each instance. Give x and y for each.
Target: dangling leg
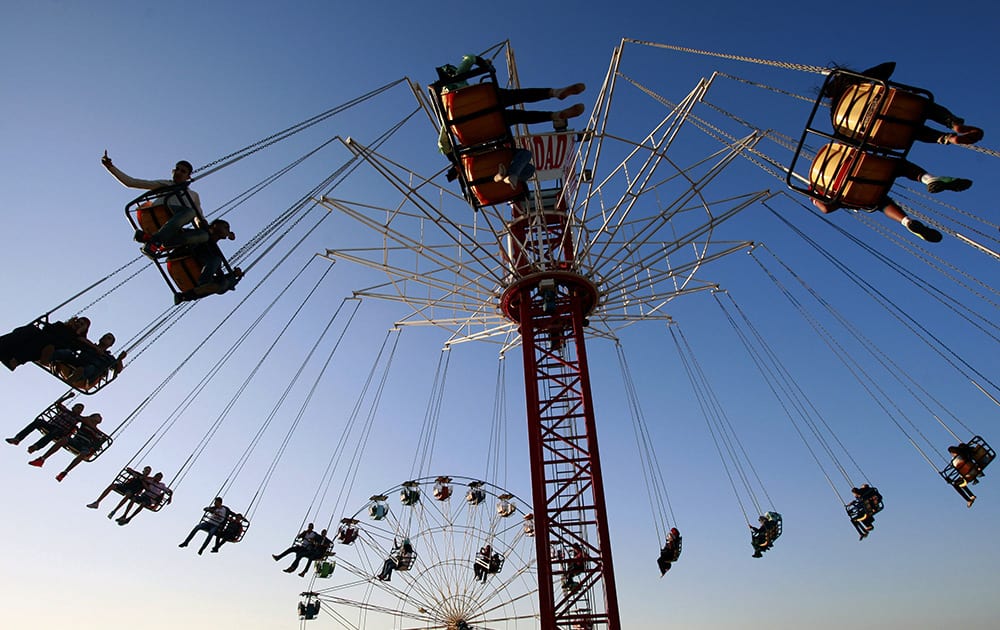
(934, 183)
(894, 212)
(963, 134)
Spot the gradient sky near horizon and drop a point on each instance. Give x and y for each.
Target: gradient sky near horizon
(155, 83)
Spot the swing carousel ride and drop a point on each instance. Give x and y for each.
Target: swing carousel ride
(648, 197)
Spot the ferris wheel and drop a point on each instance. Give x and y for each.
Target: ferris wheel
(439, 552)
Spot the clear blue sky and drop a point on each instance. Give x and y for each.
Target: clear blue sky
(156, 83)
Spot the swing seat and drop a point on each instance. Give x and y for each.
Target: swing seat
(960, 471)
(479, 169)
(127, 483)
(843, 174)
(774, 530)
(91, 442)
(184, 270)
(151, 217)
(58, 419)
(64, 373)
(232, 534)
(888, 117)
(474, 114)
(981, 452)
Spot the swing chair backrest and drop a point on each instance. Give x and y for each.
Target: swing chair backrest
(855, 179)
(480, 167)
(127, 483)
(318, 549)
(149, 211)
(184, 270)
(57, 418)
(887, 116)
(981, 452)
(89, 442)
(235, 528)
(64, 373)
(474, 114)
(774, 527)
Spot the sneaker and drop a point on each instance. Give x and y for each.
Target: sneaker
(956, 184)
(500, 176)
(93, 505)
(37, 462)
(922, 231)
(60, 476)
(33, 448)
(569, 112)
(13, 441)
(967, 135)
(275, 556)
(183, 544)
(569, 90)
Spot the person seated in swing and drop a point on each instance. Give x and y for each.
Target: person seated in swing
(62, 425)
(762, 537)
(204, 247)
(89, 363)
(184, 208)
(865, 505)
(30, 343)
(305, 545)
(215, 517)
(670, 552)
(892, 210)
(231, 531)
(508, 98)
(964, 462)
(154, 493)
(86, 440)
(958, 132)
(129, 487)
(315, 550)
(519, 169)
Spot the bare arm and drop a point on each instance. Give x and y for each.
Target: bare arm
(128, 181)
